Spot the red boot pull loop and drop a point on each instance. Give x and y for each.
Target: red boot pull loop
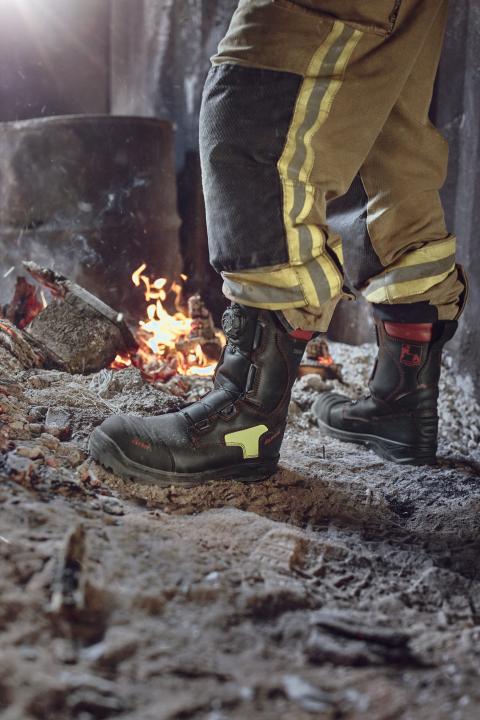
(302, 335)
(419, 332)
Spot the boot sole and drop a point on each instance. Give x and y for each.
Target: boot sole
(106, 452)
(392, 450)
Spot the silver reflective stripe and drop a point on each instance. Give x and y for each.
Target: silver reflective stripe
(254, 294)
(412, 272)
(320, 280)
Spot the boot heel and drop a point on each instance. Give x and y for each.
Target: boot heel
(403, 454)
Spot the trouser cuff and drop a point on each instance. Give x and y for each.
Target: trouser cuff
(309, 319)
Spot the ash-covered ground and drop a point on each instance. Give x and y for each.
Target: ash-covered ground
(343, 587)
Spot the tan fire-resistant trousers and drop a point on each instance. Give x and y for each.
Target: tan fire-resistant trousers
(364, 73)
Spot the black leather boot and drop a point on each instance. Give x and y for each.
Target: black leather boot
(233, 432)
(398, 420)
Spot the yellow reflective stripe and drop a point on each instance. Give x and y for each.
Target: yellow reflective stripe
(326, 104)
(269, 289)
(280, 278)
(415, 273)
(308, 204)
(317, 273)
(407, 288)
(313, 283)
(304, 96)
(325, 279)
(248, 440)
(318, 239)
(428, 253)
(309, 285)
(293, 238)
(299, 114)
(335, 280)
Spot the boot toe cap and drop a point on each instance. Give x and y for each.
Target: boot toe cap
(328, 408)
(130, 438)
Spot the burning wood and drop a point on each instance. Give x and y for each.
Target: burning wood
(317, 360)
(80, 299)
(75, 332)
(172, 344)
(78, 333)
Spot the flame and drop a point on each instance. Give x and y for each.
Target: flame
(165, 348)
(325, 360)
(121, 362)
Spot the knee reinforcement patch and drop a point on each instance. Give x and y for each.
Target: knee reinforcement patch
(244, 123)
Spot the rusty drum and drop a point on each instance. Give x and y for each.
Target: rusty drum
(91, 196)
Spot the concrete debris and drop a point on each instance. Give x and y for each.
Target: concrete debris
(343, 587)
(58, 423)
(343, 640)
(308, 697)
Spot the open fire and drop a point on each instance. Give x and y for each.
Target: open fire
(172, 343)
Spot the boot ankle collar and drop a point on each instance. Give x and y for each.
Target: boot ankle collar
(414, 332)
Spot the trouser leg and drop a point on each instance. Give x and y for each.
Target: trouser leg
(292, 109)
(416, 278)
(410, 275)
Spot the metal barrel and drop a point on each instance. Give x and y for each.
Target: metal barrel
(92, 197)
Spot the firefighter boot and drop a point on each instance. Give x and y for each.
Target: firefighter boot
(233, 432)
(398, 420)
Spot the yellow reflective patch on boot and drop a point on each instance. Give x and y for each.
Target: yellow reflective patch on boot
(248, 440)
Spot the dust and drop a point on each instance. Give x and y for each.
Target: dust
(343, 587)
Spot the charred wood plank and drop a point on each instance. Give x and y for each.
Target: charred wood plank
(77, 331)
(17, 352)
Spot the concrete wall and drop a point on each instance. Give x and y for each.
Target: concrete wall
(160, 57)
(456, 111)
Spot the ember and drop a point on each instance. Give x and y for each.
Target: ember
(172, 343)
(25, 304)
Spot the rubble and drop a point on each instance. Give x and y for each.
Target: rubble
(344, 586)
(344, 640)
(68, 587)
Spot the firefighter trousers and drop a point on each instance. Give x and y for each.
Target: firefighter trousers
(303, 97)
